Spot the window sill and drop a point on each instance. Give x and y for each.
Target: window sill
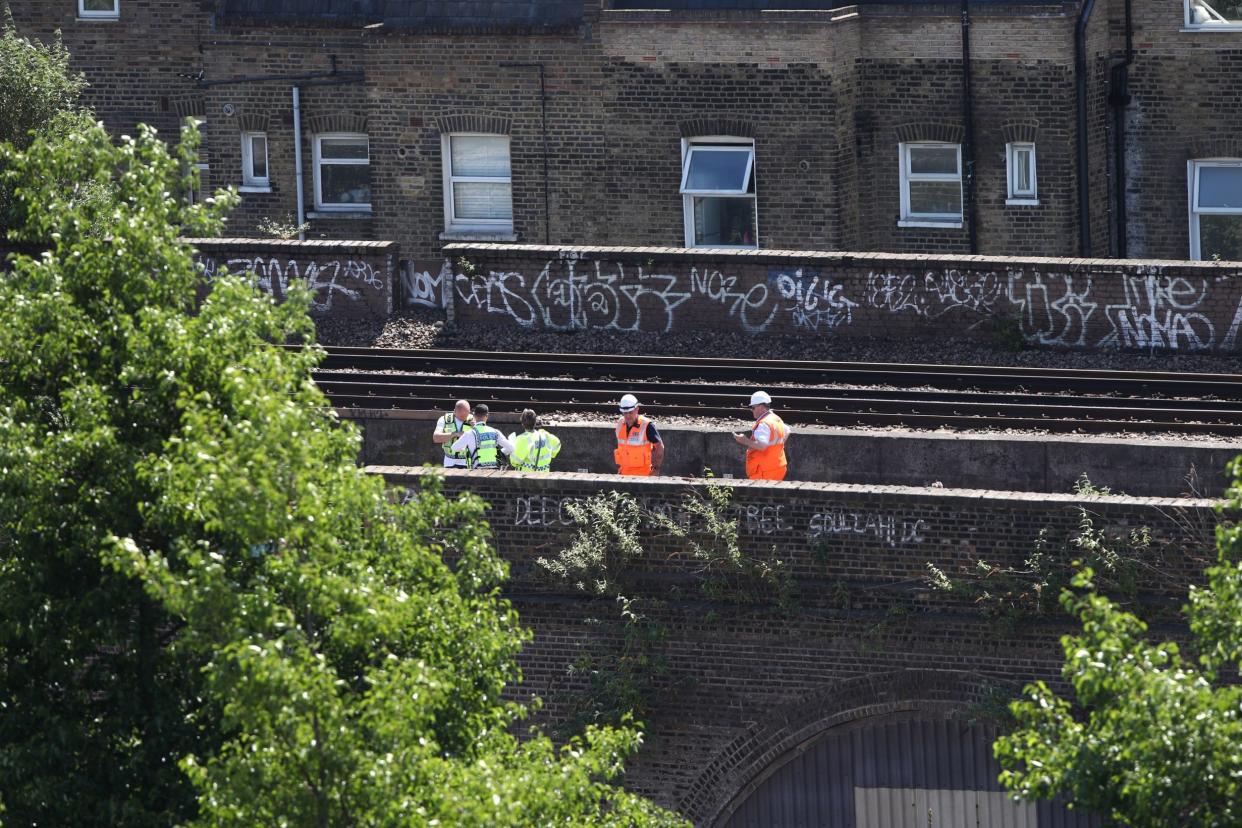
(478, 236)
(113, 19)
(339, 214)
(1022, 202)
(1217, 27)
(939, 225)
(254, 188)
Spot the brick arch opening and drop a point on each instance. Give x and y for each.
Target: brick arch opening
(750, 759)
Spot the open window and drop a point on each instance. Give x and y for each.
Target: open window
(1213, 14)
(931, 185)
(718, 192)
(1216, 209)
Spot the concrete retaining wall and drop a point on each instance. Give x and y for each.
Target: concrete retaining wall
(350, 279)
(1023, 463)
(1068, 303)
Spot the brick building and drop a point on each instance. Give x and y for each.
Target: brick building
(783, 124)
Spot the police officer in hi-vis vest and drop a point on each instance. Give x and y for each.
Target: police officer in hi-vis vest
(640, 450)
(481, 443)
(765, 447)
(449, 429)
(534, 449)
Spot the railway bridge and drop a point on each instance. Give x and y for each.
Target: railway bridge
(849, 666)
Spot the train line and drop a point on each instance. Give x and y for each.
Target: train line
(822, 393)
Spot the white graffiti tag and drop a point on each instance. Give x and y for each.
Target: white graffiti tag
(1160, 312)
(889, 529)
(327, 280)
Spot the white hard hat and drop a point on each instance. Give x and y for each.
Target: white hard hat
(760, 398)
(628, 403)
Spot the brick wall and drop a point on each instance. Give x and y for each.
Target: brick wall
(745, 679)
(1072, 303)
(348, 279)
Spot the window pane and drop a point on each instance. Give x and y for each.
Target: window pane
(1220, 236)
(1022, 171)
(1215, 11)
(1220, 187)
(939, 160)
(343, 149)
(345, 183)
(258, 156)
(718, 169)
(935, 197)
(723, 221)
(99, 5)
(478, 200)
(486, 156)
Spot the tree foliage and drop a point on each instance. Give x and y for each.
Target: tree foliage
(1152, 736)
(208, 613)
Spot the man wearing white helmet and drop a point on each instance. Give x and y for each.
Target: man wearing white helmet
(765, 447)
(640, 450)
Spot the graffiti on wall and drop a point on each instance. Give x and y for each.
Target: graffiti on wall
(1136, 309)
(339, 279)
(419, 288)
(889, 529)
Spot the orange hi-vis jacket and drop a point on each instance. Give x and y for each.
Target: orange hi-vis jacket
(633, 454)
(768, 463)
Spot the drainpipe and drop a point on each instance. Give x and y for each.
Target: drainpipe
(1084, 186)
(1119, 99)
(968, 122)
(543, 119)
(297, 160)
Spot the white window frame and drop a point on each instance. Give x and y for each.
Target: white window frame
(1223, 25)
(96, 14)
(452, 224)
(318, 162)
(250, 181)
(688, 196)
(1017, 196)
(1194, 211)
(941, 220)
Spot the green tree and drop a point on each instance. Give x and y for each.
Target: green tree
(208, 613)
(1152, 737)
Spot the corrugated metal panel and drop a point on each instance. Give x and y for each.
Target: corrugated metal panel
(892, 774)
(939, 808)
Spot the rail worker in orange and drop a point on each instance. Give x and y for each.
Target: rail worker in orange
(765, 447)
(640, 449)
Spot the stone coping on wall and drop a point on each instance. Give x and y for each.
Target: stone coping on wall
(532, 481)
(293, 245)
(838, 258)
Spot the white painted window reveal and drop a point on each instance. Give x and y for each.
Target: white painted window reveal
(931, 184)
(99, 9)
(1216, 209)
(478, 183)
(195, 194)
(1020, 163)
(718, 192)
(342, 172)
(1213, 14)
(254, 160)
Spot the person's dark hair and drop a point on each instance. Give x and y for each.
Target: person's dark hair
(481, 410)
(529, 419)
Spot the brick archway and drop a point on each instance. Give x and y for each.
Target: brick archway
(750, 758)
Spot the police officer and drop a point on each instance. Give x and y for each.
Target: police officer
(481, 443)
(765, 447)
(449, 429)
(534, 449)
(640, 450)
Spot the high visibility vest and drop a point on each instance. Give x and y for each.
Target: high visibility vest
(533, 451)
(485, 454)
(768, 463)
(633, 453)
(448, 425)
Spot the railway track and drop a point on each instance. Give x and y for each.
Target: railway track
(824, 393)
